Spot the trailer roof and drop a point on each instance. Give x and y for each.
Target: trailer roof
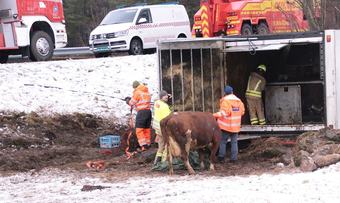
(240, 44)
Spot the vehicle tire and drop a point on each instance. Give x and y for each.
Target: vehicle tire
(262, 29)
(101, 55)
(41, 46)
(221, 33)
(182, 36)
(3, 58)
(246, 29)
(136, 47)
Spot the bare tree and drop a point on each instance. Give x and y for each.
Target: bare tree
(321, 14)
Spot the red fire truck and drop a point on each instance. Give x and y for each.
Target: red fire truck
(31, 28)
(246, 17)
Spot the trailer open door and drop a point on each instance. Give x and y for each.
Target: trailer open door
(332, 67)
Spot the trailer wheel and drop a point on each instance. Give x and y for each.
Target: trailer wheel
(3, 58)
(246, 29)
(136, 47)
(262, 29)
(41, 46)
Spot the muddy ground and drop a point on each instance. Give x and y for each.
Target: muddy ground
(29, 142)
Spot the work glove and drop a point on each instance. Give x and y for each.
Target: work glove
(127, 100)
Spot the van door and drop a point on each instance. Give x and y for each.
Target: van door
(163, 27)
(144, 28)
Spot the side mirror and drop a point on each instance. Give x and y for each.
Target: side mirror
(142, 20)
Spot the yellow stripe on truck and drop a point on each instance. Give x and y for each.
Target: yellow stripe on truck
(204, 16)
(258, 6)
(205, 23)
(204, 8)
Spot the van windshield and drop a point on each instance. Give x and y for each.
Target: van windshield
(119, 16)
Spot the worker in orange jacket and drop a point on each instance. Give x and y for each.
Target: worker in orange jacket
(229, 120)
(141, 101)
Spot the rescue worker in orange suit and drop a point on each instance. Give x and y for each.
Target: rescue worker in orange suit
(141, 101)
(229, 120)
(256, 84)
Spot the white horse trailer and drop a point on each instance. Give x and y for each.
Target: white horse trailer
(303, 76)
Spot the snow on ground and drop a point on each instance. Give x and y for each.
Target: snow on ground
(62, 186)
(85, 86)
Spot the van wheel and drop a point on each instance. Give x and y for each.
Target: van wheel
(41, 46)
(262, 29)
(100, 55)
(246, 29)
(3, 58)
(149, 51)
(136, 47)
(182, 36)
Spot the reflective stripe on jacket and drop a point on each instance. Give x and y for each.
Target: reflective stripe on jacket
(141, 98)
(230, 114)
(161, 110)
(256, 84)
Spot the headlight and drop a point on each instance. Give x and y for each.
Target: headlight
(121, 33)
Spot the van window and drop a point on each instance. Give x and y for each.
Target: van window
(119, 16)
(145, 14)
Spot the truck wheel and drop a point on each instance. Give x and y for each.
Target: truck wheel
(136, 47)
(246, 29)
(262, 29)
(41, 46)
(3, 58)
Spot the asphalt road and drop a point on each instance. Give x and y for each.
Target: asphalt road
(64, 53)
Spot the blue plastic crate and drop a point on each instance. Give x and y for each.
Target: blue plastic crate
(109, 141)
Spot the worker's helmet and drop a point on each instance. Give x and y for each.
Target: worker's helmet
(135, 84)
(162, 94)
(262, 67)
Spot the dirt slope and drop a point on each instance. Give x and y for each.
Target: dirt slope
(29, 141)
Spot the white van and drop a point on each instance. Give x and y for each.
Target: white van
(136, 29)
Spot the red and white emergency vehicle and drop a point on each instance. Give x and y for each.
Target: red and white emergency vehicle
(31, 28)
(246, 17)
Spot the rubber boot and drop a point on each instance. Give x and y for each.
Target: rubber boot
(157, 160)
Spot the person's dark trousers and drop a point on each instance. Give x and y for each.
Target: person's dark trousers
(223, 145)
(143, 130)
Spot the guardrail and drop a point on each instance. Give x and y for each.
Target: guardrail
(72, 51)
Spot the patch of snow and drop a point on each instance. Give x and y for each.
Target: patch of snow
(94, 86)
(52, 185)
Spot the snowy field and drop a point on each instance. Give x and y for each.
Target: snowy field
(62, 186)
(92, 86)
(87, 86)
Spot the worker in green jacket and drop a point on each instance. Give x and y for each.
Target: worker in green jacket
(161, 110)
